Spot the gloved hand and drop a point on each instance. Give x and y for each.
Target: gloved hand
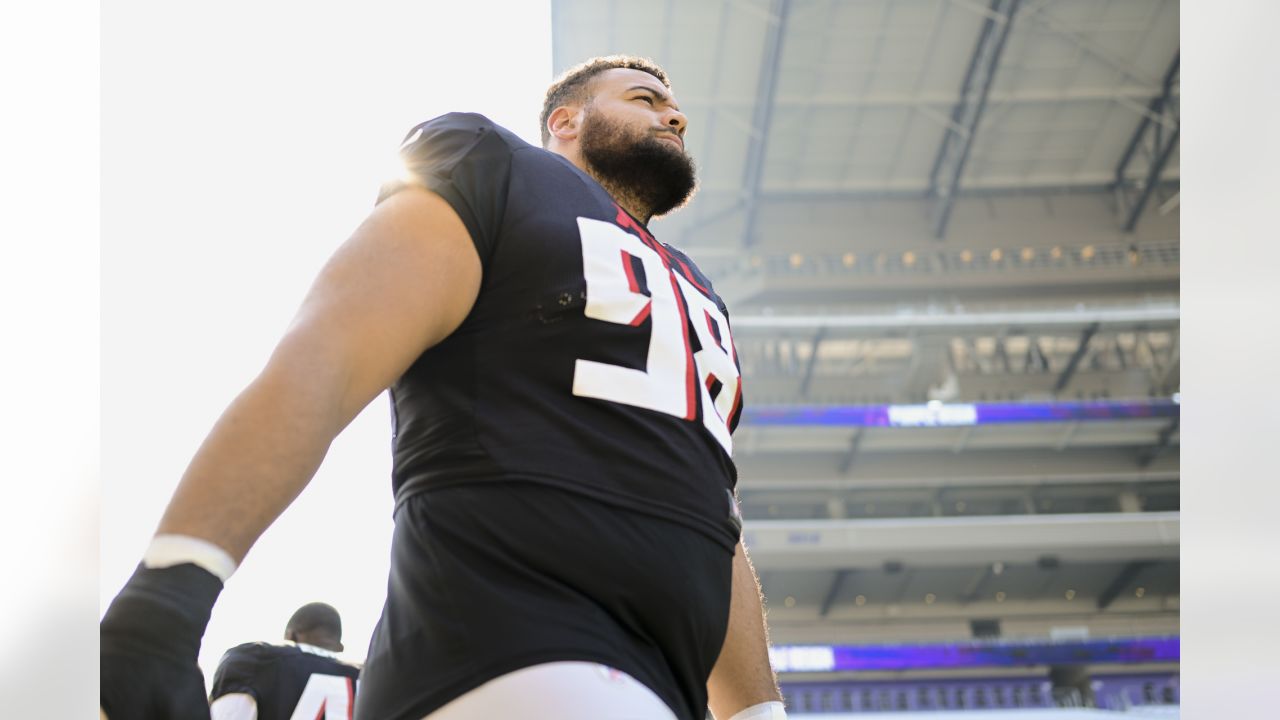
(150, 644)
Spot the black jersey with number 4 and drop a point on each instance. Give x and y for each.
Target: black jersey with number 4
(287, 681)
(595, 359)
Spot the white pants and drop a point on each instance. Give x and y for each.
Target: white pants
(558, 691)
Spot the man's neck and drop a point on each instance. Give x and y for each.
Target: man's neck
(624, 198)
(315, 649)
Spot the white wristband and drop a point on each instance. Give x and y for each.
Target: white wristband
(169, 550)
(764, 711)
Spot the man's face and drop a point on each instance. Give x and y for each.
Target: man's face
(633, 135)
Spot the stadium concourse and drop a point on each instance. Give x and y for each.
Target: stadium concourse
(948, 234)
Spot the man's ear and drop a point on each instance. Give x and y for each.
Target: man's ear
(565, 122)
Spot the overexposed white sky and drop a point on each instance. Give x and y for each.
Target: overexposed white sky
(242, 142)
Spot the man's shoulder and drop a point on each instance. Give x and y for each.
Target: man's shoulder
(263, 653)
(469, 121)
(257, 651)
(461, 127)
(242, 667)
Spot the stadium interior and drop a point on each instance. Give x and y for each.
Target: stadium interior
(948, 235)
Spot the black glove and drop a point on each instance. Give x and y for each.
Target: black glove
(150, 642)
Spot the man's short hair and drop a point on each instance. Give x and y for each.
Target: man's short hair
(574, 85)
(315, 618)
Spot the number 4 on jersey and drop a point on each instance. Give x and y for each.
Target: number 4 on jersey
(330, 697)
(627, 282)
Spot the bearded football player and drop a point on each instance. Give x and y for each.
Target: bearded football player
(564, 389)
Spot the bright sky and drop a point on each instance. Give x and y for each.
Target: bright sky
(242, 142)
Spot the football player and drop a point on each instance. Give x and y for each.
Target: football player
(564, 388)
(304, 678)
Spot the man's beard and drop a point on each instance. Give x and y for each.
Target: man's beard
(653, 172)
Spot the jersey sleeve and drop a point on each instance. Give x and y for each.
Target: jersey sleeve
(234, 706)
(465, 160)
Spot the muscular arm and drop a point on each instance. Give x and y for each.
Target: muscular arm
(742, 676)
(405, 280)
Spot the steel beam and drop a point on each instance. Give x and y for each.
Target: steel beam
(894, 567)
(766, 90)
(1162, 139)
(789, 483)
(813, 360)
(1168, 371)
(1120, 356)
(1121, 581)
(1076, 357)
(1002, 354)
(1040, 15)
(1037, 187)
(957, 141)
(961, 541)
(1163, 441)
(846, 462)
(837, 581)
(720, 61)
(1145, 314)
(1035, 354)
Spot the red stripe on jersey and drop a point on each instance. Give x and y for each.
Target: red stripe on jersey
(711, 327)
(627, 267)
(737, 405)
(642, 315)
(626, 221)
(688, 274)
(690, 381)
(320, 712)
(351, 698)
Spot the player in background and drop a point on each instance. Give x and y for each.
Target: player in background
(304, 678)
(564, 388)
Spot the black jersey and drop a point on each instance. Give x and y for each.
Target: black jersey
(287, 681)
(490, 578)
(595, 358)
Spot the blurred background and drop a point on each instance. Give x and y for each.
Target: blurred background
(948, 235)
